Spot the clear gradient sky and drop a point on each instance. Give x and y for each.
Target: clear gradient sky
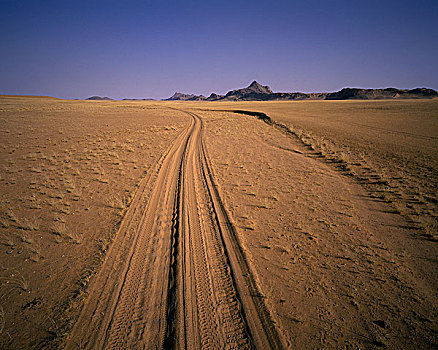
(150, 49)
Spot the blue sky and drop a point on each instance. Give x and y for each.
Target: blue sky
(75, 49)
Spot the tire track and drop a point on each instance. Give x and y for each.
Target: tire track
(175, 276)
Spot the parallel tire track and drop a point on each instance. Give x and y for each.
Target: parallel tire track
(175, 276)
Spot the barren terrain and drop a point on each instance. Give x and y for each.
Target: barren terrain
(68, 171)
(184, 224)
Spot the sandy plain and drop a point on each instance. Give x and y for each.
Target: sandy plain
(129, 224)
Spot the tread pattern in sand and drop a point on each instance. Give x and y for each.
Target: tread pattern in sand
(175, 275)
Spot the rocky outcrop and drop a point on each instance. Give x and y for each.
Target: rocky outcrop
(178, 96)
(214, 97)
(254, 91)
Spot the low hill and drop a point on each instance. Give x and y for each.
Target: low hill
(380, 94)
(99, 98)
(178, 96)
(214, 97)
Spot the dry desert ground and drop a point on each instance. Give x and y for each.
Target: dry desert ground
(151, 224)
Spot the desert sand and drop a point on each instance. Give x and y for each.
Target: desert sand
(132, 224)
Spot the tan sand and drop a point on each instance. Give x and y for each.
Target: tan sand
(166, 224)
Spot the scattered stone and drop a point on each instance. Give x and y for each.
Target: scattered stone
(382, 324)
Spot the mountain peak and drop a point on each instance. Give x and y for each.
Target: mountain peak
(258, 88)
(255, 84)
(253, 89)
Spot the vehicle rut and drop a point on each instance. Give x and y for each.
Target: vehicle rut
(175, 276)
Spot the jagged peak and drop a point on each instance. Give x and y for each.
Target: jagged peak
(255, 84)
(254, 87)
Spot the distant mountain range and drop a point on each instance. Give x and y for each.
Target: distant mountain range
(257, 92)
(99, 98)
